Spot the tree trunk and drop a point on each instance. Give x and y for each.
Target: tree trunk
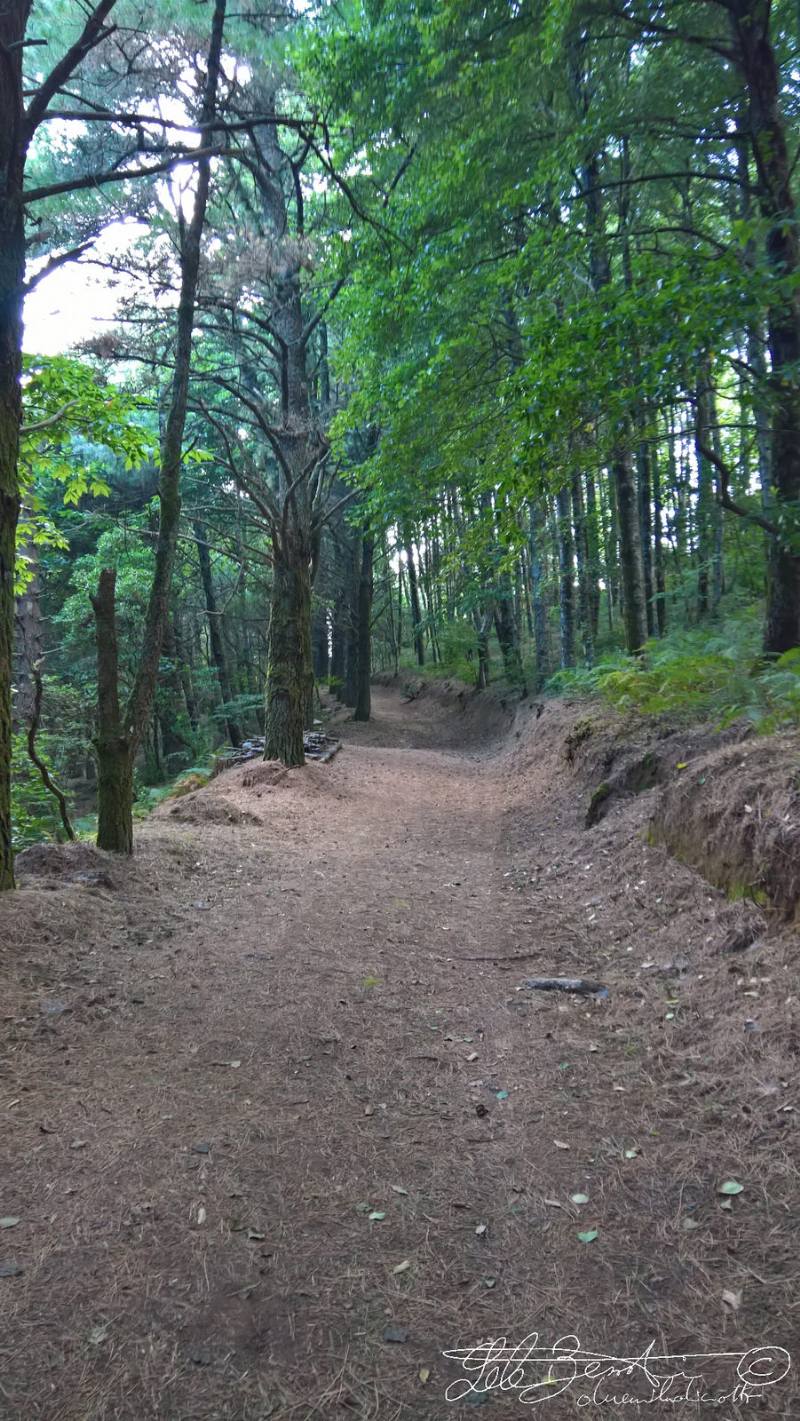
(30, 647)
(643, 462)
(112, 747)
(117, 825)
(757, 62)
(290, 677)
(630, 547)
(705, 492)
(593, 554)
(582, 555)
(319, 637)
(185, 673)
(537, 596)
(13, 20)
(658, 551)
(566, 592)
(506, 627)
(483, 622)
(214, 631)
(339, 644)
(365, 590)
(353, 573)
(416, 610)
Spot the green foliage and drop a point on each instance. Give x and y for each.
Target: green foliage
(148, 797)
(35, 812)
(244, 710)
(73, 421)
(694, 674)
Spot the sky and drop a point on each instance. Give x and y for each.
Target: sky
(77, 300)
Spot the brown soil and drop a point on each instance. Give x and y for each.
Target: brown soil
(735, 815)
(303, 1003)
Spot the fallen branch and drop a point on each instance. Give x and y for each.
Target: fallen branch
(47, 781)
(515, 957)
(583, 985)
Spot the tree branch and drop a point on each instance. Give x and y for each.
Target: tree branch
(93, 34)
(119, 175)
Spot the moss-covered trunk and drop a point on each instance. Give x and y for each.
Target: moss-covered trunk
(114, 794)
(290, 674)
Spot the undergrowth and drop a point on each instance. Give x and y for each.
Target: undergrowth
(697, 674)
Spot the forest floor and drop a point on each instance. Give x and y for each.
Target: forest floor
(280, 1123)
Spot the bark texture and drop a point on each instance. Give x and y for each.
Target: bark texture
(758, 65)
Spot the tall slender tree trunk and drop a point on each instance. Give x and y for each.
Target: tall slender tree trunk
(365, 591)
(301, 450)
(566, 589)
(339, 642)
(582, 557)
(319, 636)
(483, 621)
(643, 463)
(215, 632)
(114, 819)
(757, 62)
(13, 21)
(416, 608)
(705, 492)
(30, 643)
(350, 692)
(630, 545)
(593, 554)
(658, 550)
(507, 635)
(112, 742)
(537, 595)
(184, 671)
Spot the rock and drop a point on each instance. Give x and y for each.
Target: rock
(392, 1333)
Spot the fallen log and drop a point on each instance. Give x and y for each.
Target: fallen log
(316, 746)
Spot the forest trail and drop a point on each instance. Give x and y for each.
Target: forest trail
(278, 1148)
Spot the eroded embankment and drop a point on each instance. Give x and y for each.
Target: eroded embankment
(726, 803)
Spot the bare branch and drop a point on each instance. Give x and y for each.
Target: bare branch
(120, 175)
(93, 34)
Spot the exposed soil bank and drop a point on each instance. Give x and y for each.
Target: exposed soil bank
(281, 1123)
(735, 816)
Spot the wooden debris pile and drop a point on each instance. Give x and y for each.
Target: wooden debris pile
(316, 744)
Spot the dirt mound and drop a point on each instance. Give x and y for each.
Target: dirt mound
(734, 815)
(206, 807)
(263, 773)
(68, 863)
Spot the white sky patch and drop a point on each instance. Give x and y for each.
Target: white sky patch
(79, 300)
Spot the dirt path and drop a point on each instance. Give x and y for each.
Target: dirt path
(277, 1136)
